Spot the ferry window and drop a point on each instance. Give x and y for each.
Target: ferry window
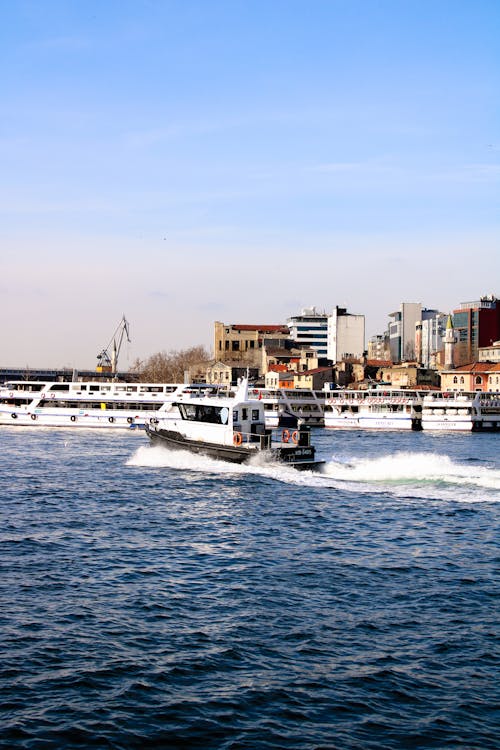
(255, 415)
(94, 387)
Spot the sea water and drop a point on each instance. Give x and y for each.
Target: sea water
(154, 599)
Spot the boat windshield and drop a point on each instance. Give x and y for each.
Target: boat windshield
(201, 413)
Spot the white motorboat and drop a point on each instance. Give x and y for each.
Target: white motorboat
(231, 428)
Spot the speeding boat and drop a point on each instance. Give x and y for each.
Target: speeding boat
(231, 428)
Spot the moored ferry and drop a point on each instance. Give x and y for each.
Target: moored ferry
(376, 409)
(87, 404)
(461, 411)
(301, 403)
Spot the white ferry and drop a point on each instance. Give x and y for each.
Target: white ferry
(376, 409)
(460, 410)
(302, 403)
(231, 428)
(87, 404)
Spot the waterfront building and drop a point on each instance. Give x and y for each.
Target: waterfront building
(378, 347)
(310, 329)
(476, 376)
(429, 336)
(402, 331)
(243, 343)
(489, 353)
(314, 379)
(410, 375)
(345, 335)
(228, 372)
(477, 325)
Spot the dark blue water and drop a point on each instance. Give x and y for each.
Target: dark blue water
(151, 599)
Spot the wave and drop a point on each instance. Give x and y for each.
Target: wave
(406, 474)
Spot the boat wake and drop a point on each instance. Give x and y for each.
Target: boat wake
(409, 475)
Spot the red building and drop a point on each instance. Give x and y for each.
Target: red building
(475, 324)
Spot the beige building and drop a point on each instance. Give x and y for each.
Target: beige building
(410, 375)
(244, 343)
(314, 379)
(478, 376)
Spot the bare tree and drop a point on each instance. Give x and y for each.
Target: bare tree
(169, 367)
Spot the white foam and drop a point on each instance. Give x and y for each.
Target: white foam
(400, 474)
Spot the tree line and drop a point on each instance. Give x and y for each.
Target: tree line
(170, 366)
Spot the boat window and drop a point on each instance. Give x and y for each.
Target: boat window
(235, 415)
(60, 387)
(244, 413)
(201, 413)
(255, 415)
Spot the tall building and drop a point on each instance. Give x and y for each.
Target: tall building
(402, 331)
(310, 328)
(429, 337)
(378, 347)
(346, 335)
(476, 324)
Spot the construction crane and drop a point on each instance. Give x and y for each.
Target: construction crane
(108, 362)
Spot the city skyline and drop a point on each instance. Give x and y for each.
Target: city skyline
(239, 162)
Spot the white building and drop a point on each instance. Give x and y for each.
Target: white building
(489, 353)
(346, 335)
(430, 332)
(310, 329)
(402, 331)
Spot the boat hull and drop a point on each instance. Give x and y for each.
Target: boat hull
(299, 457)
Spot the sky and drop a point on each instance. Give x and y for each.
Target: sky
(186, 161)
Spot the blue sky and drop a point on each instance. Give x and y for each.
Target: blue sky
(185, 162)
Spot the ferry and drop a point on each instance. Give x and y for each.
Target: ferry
(301, 403)
(230, 428)
(375, 409)
(461, 411)
(87, 404)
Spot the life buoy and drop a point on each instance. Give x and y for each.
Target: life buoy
(285, 435)
(295, 437)
(130, 420)
(14, 415)
(237, 438)
(33, 416)
(73, 418)
(111, 419)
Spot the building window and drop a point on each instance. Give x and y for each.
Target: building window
(479, 380)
